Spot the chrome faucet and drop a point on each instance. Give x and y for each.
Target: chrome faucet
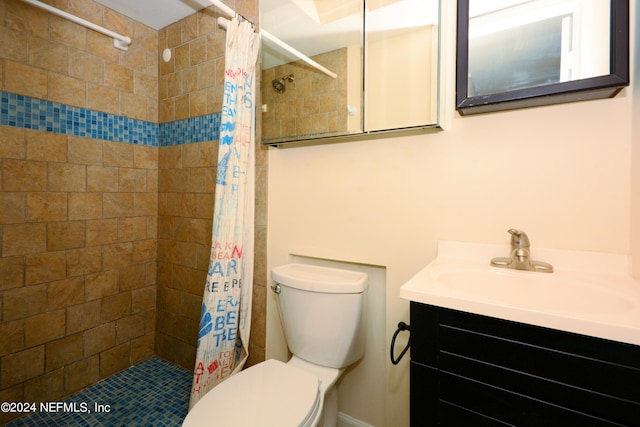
(520, 255)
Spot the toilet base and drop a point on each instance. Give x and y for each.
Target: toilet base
(329, 417)
(328, 378)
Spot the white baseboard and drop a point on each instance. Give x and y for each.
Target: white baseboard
(345, 420)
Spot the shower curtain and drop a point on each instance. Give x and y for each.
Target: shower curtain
(226, 308)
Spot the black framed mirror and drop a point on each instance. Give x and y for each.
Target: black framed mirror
(524, 53)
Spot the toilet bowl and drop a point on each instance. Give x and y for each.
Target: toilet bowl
(323, 311)
(269, 394)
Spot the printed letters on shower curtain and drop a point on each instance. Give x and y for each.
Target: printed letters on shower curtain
(226, 308)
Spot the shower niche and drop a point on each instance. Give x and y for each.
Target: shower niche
(342, 69)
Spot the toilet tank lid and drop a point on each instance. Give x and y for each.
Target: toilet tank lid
(320, 279)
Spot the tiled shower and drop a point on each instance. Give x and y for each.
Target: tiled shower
(107, 175)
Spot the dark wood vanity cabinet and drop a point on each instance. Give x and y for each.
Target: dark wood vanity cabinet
(472, 370)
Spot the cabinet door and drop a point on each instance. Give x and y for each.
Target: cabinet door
(492, 371)
(486, 401)
(424, 334)
(423, 395)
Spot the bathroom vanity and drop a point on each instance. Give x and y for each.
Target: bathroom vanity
(493, 346)
(473, 370)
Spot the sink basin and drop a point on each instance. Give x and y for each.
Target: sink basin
(535, 291)
(588, 293)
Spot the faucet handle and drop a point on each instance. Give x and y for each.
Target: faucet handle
(519, 238)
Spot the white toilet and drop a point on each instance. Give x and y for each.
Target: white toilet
(323, 315)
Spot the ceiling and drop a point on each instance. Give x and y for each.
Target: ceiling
(310, 26)
(156, 14)
(317, 26)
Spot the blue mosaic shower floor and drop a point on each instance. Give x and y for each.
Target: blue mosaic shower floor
(152, 393)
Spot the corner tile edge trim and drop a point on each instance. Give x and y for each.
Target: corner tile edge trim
(37, 114)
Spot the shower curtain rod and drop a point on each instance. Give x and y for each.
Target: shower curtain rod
(267, 35)
(119, 41)
(123, 42)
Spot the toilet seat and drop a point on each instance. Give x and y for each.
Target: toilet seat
(268, 394)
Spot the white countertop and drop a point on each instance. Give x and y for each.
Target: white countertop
(588, 293)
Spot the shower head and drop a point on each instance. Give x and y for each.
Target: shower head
(278, 84)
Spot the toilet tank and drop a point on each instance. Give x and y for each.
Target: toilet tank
(323, 312)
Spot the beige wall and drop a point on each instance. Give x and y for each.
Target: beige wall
(395, 93)
(635, 158)
(562, 173)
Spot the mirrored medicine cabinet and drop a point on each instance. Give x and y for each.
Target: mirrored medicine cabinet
(523, 53)
(346, 68)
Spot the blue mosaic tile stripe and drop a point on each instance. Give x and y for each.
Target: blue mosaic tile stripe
(152, 393)
(38, 114)
(196, 129)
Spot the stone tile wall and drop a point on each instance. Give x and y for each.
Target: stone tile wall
(191, 83)
(314, 105)
(185, 215)
(78, 230)
(185, 212)
(191, 86)
(104, 242)
(78, 215)
(48, 57)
